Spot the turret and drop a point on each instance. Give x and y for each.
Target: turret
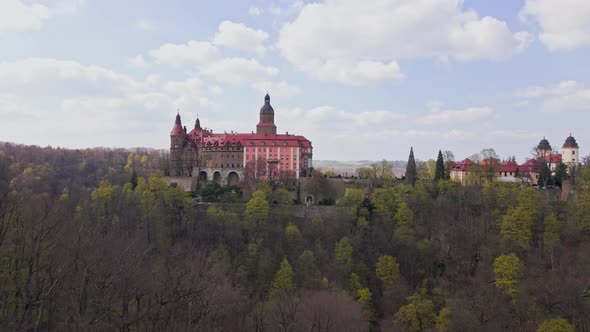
(267, 118)
(177, 137)
(544, 148)
(570, 151)
(198, 123)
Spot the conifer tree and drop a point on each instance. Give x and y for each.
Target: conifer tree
(439, 173)
(411, 174)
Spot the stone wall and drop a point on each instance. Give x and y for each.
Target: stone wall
(186, 183)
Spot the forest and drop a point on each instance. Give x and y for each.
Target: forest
(96, 239)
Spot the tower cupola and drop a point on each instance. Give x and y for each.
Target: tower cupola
(177, 130)
(267, 118)
(571, 151)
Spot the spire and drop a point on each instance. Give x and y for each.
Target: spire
(267, 98)
(178, 117)
(197, 123)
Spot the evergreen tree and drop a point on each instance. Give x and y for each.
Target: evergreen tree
(411, 174)
(133, 179)
(439, 173)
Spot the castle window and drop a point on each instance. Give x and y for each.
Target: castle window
(573, 151)
(232, 165)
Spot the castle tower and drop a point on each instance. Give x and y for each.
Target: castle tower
(177, 137)
(267, 118)
(570, 151)
(544, 148)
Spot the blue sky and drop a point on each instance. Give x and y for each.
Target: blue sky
(361, 80)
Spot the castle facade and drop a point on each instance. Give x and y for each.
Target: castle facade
(229, 158)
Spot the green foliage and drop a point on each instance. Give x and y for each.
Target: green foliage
(307, 268)
(411, 172)
(556, 325)
(404, 227)
(516, 227)
(387, 270)
(579, 211)
(353, 197)
(384, 202)
(507, 271)
(283, 282)
(418, 314)
(257, 210)
(439, 173)
(560, 173)
(354, 283)
(443, 320)
(343, 251)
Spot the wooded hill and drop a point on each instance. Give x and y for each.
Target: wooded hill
(96, 240)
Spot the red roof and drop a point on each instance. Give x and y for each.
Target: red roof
(243, 139)
(508, 166)
(177, 130)
(463, 165)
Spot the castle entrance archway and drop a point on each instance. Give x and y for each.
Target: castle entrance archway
(233, 179)
(202, 176)
(217, 177)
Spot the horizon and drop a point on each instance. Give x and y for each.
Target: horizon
(479, 75)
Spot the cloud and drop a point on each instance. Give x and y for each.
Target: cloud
(564, 96)
(238, 70)
(193, 52)
(239, 36)
(564, 24)
(467, 115)
(355, 42)
(139, 61)
(146, 24)
(90, 105)
(281, 88)
(255, 11)
(17, 15)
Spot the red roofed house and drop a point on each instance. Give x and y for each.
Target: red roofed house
(509, 171)
(227, 158)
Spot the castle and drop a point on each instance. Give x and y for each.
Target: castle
(229, 158)
(510, 171)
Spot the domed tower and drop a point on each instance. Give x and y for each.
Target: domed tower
(177, 137)
(544, 148)
(267, 118)
(570, 151)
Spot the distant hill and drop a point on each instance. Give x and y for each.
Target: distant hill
(348, 168)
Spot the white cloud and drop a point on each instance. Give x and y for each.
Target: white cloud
(238, 70)
(562, 97)
(564, 24)
(239, 36)
(467, 115)
(281, 88)
(17, 15)
(144, 23)
(139, 61)
(255, 11)
(193, 52)
(341, 40)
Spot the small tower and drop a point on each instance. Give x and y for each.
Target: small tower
(177, 138)
(544, 148)
(198, 123)
(267, 118)
(570, 151)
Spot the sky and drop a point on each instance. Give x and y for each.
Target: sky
(360, 79)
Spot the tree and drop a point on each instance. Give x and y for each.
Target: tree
(387, 270)
(507, 270)
(560, 173)
(418, 315)
(411, 173)
(257, 210)
(343, 251)
(556, 325)
(283, 282)
(404, 218)
(439, 173)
